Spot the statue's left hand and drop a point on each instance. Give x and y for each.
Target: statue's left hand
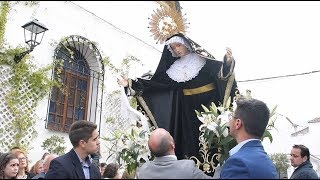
(229, 55)
(123, 81)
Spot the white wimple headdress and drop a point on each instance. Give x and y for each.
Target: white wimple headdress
(177, 39)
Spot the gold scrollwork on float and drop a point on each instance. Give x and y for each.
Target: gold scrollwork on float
(208, 162)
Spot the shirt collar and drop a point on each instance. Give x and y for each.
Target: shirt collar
(238, 147)
(87, 161)
(167, 156)
(172, 156)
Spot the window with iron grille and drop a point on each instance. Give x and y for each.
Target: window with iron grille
(81, 71)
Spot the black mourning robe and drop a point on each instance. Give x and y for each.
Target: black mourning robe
(173, 109)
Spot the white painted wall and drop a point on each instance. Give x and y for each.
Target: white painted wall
(64, 19)
(67, 18)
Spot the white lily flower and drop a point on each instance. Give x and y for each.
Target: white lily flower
(225, 132)
(234, 104)
(216, 132)
(144, 154)
(205, 119)
(221, 109)
(201, 118)
(224, 117)
(212, 126)
(207, 122)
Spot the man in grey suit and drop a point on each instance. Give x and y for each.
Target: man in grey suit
(165, 165)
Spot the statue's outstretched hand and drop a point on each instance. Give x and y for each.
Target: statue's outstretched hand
(229, 55)
(122, 81)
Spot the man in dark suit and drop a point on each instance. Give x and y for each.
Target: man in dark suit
(248, 160)
(300, 160)
(165, 165)
(77, 163)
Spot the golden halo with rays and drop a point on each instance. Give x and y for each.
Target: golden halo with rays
(166, 22)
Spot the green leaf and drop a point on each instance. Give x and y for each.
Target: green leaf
(272, 121)
(218, 129)
(273, 111)
(198, 113)
(134, 133)
(211, 139)
(131, 137)
(206, 113)
(205, 108)
(226, 140)
(281, 161)
(117, 134)
(214, 109)
(223, 129)
(142, 134)
(268, 135)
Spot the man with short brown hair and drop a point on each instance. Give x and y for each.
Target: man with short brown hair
(248, 160)
(77, 163)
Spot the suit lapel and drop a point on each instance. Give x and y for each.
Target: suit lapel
(79, 170)
(93, 169)
(93, 172)
(77, 165)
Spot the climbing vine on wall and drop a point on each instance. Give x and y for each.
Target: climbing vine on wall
(27, 83)
(5, 8)
(123, 70)
(55, 144)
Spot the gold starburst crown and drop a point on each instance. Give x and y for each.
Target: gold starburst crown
(166, 22)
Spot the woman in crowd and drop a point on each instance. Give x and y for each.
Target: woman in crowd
(37, 168)
(23, 172)
(112, 171)
(9, 166)
(102, 167)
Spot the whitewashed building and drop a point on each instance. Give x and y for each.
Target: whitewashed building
(74, 22)
(91, 38)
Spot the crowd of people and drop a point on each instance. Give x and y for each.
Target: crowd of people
(186, 78)
(247, 160)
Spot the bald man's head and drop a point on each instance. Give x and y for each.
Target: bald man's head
(161, 143)
(47, 160)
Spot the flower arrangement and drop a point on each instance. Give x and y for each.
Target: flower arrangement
(214, 132)
(135, 148)
(129, 147)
